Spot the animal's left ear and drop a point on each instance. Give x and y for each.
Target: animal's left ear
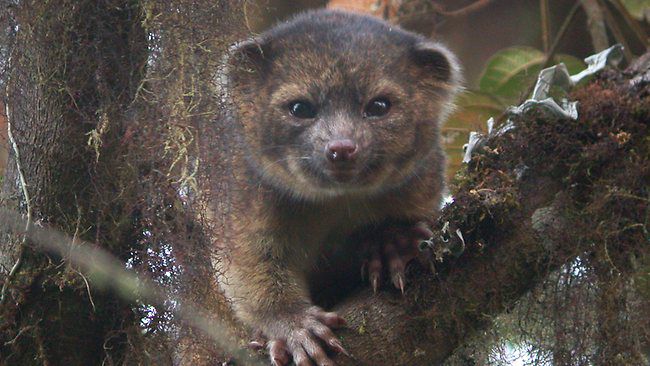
(437, 61)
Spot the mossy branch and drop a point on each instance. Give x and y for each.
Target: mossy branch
(542, 201)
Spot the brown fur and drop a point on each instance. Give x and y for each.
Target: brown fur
(283, 213)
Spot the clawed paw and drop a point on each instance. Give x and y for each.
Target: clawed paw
(305, 339)
(389, 251)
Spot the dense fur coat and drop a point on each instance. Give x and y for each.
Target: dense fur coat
(335, 129)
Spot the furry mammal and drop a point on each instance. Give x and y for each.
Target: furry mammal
(336, 128)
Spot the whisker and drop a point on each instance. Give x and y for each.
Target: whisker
(266, 167)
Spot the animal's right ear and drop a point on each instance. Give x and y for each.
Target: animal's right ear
(249, 57)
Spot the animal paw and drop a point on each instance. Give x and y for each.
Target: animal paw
(390, 250)
(305, 338)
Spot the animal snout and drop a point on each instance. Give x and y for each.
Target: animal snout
(339, 151)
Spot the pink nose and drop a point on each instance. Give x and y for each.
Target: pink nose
(340, 150)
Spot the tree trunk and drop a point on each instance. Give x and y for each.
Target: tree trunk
(106, 98)
(532, 199)
(74, 68)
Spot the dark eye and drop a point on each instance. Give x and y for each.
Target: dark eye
(377, 107)
(302, 109)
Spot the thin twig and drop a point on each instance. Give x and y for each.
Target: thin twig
(439, 9)
(546, 25)
(75, 239)
(479, 4)
(560, 35)
(551, 52)
(108, 272)
(596, 24)
(632, 23)
(246, 17)
(90, 295)
(616, 30)
(20, 333)
(556, 42)
(23, 184)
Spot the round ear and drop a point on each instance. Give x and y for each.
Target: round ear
(248, 57)
(437, 61)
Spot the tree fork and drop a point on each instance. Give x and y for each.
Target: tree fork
(524, 208)
(528, 203)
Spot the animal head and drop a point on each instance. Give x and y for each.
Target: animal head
(334, 103)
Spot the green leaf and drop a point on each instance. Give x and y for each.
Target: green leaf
(637, 8)
(473, 110)
(511, 72)
(508, 66)
(573, 64)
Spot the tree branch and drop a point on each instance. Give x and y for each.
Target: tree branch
(596, 24)
(518, 229)
(531, 200)
(477, 5)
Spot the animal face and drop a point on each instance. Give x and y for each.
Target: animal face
(340, 105)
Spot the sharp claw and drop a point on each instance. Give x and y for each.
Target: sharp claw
(335, 322)
(255, 345)
(345, 352)
(342, 322)
(336, 344)
(279, 361)
(375, 283)
(398, 281)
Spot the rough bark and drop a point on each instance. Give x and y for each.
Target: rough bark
(530, 211)
(529, 201)
(74, 69)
